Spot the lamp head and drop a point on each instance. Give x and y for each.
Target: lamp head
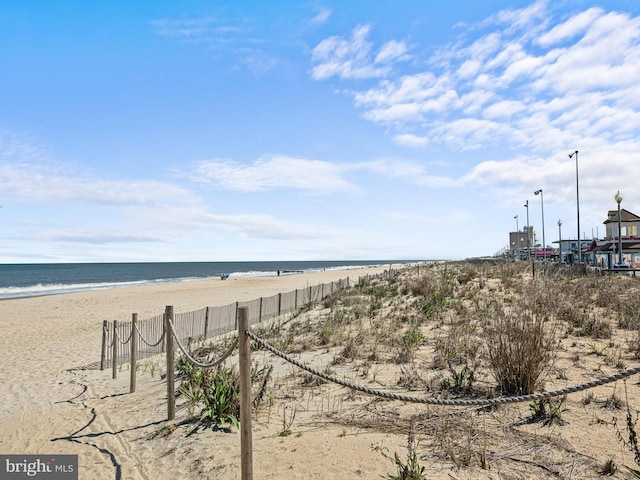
(537, 192)
(618, 197)
(573, 153)
(559, 223)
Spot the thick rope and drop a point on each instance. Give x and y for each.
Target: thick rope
(117, 335)
(451, 402)
(145, 340)
(196, 362)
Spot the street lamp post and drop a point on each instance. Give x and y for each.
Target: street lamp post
(526, 205)
(618, 198)
(559, 241)
(544, 244)
(577, 206)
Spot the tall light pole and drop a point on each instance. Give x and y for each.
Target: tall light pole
(526, 205)
(577, 206)
(618, 198)
(544, 244)
(559, 241)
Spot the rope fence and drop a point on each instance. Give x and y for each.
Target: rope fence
(243, 341)
(449, 402)
(205, 323)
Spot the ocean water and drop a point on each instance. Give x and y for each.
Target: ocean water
(26, 280)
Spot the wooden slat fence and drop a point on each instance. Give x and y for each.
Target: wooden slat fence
(204, 323)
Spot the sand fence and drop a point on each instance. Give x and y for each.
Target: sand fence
(120, 346)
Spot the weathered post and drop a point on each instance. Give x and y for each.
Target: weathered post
(168, 336)
(246, 441)
(206, 323)
(134, 352)
(279, 304)
(114, 351)
(103, 353)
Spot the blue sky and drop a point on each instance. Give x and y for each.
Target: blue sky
(222, 131)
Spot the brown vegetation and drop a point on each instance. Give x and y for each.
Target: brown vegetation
(474, 330)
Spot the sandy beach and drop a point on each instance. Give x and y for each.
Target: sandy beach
(56, 401)
(48, 393)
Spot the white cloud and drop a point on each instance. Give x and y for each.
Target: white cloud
(571, 28)
(276, 172)
(38, 183)
(352, 58)
(410, 140)
(408, 172)
(532, 81)
(392, 51)
(266, 226)
(321, 17)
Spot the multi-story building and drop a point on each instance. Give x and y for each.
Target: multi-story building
(518, 242)
(606, 252)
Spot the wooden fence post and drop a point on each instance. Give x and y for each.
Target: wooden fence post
(260, 314)
(171, 396)
(279, 304)
(206, 323)
(103, 353)
(134, 351)
(236, 317)
(114, 351)
(246, 441)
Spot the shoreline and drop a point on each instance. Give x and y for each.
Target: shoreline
(16, 283)
(66, 327)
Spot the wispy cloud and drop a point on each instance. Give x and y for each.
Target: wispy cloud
(198, 30)
(267, 226)
(276, 172)
(96, 237)
(321, 17)
(236, 37)
(317, 177)
(355, 57)
(30, 182)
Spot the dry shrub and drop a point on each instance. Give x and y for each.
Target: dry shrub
(520, 348)
(424, 286)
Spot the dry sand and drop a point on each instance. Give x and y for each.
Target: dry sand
(54, 400)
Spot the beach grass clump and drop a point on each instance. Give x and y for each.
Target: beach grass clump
(459, 346)
(520, 347)
(422, 286)
(411, 469)
(548, 411)
(408, 345)
(433, 305)
(629, 316)
(216, 392)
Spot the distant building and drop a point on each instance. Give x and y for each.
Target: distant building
(629, 224)
(518, 241)
(605, 252)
